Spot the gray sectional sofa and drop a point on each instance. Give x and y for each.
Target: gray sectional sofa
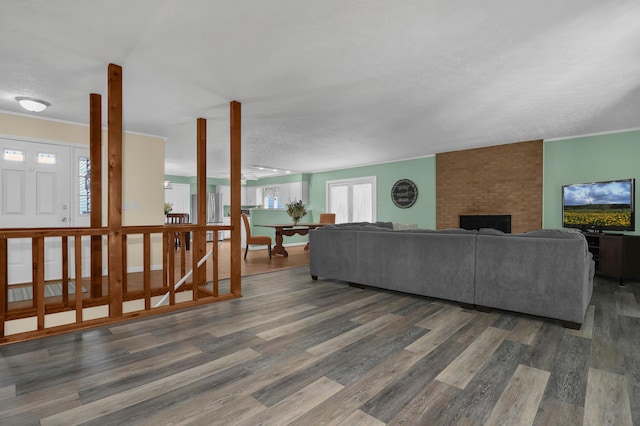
(546, 273)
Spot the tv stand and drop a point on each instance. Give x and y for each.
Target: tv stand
(615, 255)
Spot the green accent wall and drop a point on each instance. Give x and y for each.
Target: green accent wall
(587, 159)
(422, 171)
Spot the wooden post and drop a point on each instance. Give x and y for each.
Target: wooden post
(236, 175)
(114, 212)
(95, 176)
(199, 249)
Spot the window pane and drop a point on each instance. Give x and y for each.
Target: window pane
(13, 155)
(339, 202)
(362, 202)
(46, 158)
(84, 185)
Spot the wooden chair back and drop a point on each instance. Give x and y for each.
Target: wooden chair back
(247, 228)
(327, 218)
(176, 218)
(179, 218)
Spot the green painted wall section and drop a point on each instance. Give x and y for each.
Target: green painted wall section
(422, 171)
(587, 159)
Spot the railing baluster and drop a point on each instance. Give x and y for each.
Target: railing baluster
(195, 277)
(4, 284)
(172, 269)
(215, 263)
(146, 247)
(65, 270)
(78, 272)
(124, 265)
(37, 284)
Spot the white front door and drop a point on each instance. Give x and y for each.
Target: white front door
(34, 193)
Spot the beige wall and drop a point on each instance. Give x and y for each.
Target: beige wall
(496, 180)
(142, 174)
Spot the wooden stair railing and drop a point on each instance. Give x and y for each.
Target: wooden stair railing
(44, 315)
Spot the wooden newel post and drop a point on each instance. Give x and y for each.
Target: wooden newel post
(199, 246)
(114, 211)
(95, 179)
(236, 175)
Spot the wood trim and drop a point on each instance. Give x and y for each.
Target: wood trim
(95, 175)
(236, 174)
(115, 190)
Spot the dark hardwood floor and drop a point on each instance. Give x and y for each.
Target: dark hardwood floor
(297, 351)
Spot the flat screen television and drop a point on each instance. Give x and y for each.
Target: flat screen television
(599, 206)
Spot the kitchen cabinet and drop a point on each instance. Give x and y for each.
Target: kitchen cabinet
(298, 191)
(225, 190)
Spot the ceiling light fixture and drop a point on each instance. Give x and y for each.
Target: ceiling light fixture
(32, 104)
(268, 169)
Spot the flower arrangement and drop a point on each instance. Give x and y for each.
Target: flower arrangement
(296, 210)
(167, 208)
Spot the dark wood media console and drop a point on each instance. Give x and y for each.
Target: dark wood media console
(615, 255)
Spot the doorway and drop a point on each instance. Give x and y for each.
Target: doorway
(35, 188)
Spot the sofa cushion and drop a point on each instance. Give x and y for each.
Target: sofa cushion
(490, 231)
(401, 227)
(357, 226)
(555, 233)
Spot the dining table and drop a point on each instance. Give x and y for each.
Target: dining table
(289, 230)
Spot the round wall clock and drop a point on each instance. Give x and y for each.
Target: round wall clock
(404, 193)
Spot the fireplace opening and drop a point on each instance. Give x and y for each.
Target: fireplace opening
(501, 222)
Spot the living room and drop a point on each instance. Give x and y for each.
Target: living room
(495, 105)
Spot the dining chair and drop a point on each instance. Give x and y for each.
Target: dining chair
(327, 218)
(258, 239)
(180, 218)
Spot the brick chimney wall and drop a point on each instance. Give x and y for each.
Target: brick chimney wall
(500, 179)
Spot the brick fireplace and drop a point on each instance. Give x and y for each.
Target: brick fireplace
(496, 180)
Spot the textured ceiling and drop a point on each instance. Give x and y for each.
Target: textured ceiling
(334, 83)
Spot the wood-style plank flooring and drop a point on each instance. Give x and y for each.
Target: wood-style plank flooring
(303, 352)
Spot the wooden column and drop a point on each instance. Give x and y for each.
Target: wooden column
(114, 212)
(236, 175)
(200, 244)
(95, 176)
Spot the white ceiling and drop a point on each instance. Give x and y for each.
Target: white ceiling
(332, 83)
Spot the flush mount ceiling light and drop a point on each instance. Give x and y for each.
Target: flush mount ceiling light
(32, 104)
(267, 168)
